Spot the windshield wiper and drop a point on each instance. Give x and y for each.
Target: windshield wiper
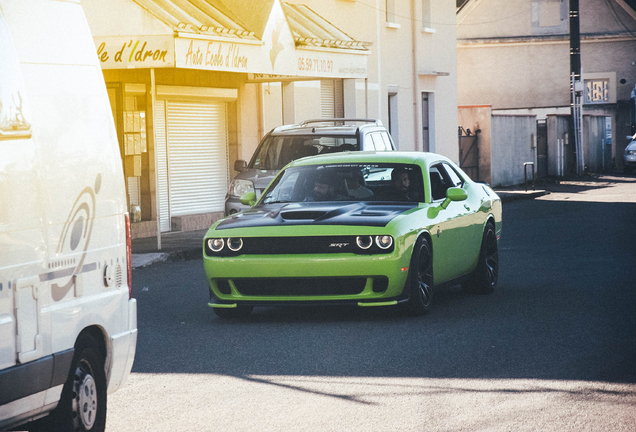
(277, 202)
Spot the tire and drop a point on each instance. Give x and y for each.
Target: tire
(484, 279)
(82, 405)
(230, 313)
(420, 279)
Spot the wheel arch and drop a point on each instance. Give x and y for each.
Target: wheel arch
(97, 334)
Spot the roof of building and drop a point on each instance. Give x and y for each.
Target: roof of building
(247, 19)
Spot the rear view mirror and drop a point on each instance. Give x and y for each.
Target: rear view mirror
(240, 165)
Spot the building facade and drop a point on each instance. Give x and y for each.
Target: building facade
(195, 84)
(514, 56)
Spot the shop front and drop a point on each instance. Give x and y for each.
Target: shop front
(189, 87)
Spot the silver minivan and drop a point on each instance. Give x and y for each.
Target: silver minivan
(290, 142)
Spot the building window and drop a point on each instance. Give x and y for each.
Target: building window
(549, 16)
(390, 11)
(426, 14)
(393, 117)
(596, 91)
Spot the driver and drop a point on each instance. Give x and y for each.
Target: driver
(323, 188)
(401, 185)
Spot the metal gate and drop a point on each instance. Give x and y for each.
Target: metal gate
(469, 153)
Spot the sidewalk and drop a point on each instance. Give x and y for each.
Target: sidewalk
(189, 244)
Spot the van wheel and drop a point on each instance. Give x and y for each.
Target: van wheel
(82, 406)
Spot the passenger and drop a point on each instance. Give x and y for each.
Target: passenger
(355, 187)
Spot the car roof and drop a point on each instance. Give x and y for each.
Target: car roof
(413, 157)
(327, 127)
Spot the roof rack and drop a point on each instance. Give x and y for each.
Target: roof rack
(341, 120)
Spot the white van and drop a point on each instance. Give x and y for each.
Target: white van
(68, 322)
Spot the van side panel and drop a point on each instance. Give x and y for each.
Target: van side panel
(62, 211)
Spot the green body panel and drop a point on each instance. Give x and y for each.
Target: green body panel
(455, 233)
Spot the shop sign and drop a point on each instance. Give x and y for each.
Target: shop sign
(264, 62)
(135, 52)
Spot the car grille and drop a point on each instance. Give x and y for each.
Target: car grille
(296, 287)
(299, 245)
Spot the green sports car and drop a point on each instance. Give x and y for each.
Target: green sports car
(361, 228)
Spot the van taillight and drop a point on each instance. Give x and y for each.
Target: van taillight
(129, 256)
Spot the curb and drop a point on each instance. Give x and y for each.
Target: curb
(140, 260)
(515, 196)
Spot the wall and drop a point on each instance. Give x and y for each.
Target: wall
(511, 146)
(502, 61)
(390, 64)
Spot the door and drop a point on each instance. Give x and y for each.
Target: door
(450, 229)
(425, 122)
(542, 148)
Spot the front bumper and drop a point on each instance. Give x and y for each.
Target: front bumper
(124, 346)
(381, 277)
(630, 160)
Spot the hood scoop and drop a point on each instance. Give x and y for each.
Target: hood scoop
(303, 214)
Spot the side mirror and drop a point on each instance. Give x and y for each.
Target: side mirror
(248, 199)
(456, 194)
(452, 194)
(240, 165)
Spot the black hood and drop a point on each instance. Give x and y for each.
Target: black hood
(313, 213)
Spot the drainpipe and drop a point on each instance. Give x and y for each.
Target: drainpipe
(153, 100)
(378, 21)
(416, 126)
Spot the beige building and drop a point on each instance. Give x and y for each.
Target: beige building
(513, 58)
(195, 84)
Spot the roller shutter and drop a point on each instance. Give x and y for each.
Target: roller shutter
(197, 157)
(331, 99)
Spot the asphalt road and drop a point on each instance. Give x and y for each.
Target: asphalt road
(554, 348)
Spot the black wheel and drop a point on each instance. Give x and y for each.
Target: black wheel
(82, 405)
(420, 279)
(486, 274)
(237, 312)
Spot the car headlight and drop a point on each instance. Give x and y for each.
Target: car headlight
(630, 152)
(240, 187)
(216, 245)
(364, 242)
(235, 244)
(384, 241)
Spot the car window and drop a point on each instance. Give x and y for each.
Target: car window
(387, 140)
(440, 182)
(453, 175)
(277, 151)
(378, 142)
(347, 182)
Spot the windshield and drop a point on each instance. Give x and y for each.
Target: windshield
(347, 182)
(277, 151)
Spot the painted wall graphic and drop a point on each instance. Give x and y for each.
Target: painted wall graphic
(76, 236)
(276, 45)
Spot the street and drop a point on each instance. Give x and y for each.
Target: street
(554, 348)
